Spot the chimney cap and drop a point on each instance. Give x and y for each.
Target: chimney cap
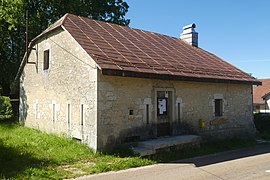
(190, 35)
(190, 26)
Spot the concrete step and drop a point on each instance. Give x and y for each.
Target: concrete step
(149, 147)
(142, 151)
(164, 142)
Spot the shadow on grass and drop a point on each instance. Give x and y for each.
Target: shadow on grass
(121, 151)
(9, 121)
(13, 162)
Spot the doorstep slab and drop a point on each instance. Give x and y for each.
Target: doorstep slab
(142, 151)
(149, 147)
(169, 141)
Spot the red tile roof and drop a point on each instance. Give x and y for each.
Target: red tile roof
(260, 91)
(125, 51)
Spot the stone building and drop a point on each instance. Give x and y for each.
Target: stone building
(107, 84)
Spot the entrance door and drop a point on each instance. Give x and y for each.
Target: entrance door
(164, 113)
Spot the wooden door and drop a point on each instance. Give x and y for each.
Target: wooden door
(164, 113)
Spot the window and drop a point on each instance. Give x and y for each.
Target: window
(69, 116)
(218, 107)
(53, 113)
(179, 111)
(46, 61)
(82, 114)
(131, 112)
(36, 112)
(147, 113)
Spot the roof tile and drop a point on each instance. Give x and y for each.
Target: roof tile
(115, 47)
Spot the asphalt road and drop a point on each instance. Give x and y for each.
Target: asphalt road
(251, 163)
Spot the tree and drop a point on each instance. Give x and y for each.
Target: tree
(41, 15)
(5, 108)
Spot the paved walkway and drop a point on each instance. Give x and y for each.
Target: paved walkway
(251, 163)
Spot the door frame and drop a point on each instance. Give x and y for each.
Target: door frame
(172, 105)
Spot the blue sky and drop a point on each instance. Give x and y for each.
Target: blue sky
(237, 31)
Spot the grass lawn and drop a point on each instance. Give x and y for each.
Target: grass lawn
(30, 154)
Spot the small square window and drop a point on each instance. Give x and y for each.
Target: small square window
(218, 107)
(46, 61)
(131, 112)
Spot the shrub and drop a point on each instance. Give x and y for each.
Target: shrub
(5, 107)
(262, 122)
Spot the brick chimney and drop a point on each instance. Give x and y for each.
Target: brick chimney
(190, 35)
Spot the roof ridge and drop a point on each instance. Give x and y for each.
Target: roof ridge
(111, 23)
(62, 21)
(65, 17)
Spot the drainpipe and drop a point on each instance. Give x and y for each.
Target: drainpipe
(26, 35)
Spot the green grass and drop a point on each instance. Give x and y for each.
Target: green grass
(30, 154)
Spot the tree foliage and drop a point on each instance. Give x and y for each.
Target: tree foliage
(5, 107)
(41, 15)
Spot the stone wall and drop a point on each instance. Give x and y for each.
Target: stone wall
(118, 95)
(73, 98)
(61, 98)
